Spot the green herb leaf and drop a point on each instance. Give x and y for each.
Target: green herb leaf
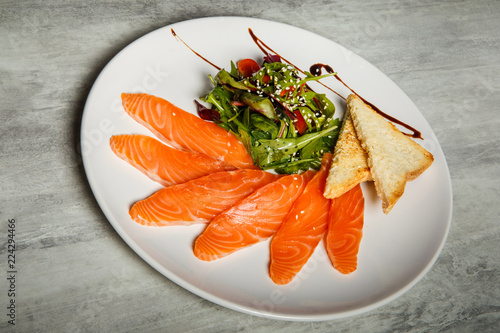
(270, 153)
(260, 104)
(223, 77)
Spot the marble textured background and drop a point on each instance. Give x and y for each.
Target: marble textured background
(77, 275)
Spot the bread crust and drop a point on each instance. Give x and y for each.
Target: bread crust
(349, 166)
(393, 158)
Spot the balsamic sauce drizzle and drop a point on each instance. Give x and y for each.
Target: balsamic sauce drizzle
(315, 70)
(199, 55)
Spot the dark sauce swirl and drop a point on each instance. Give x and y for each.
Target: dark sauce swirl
(316, 70)
(199, 55)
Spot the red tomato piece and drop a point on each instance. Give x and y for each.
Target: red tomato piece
(288, 93)
(247, 67)
(300, 123)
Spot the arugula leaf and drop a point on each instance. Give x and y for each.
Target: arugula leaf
(265, 125)
(223, 77)
(234, 70)
(270, 153)
(259, 104)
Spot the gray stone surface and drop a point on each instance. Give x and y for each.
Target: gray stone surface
(74, 272)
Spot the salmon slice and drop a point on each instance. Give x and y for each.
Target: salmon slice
(302, 230)
(253, 219)
(182, 129)
(162, 163)
(199, 200)
(345, 229)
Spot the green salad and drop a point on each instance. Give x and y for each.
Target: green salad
(283, 123)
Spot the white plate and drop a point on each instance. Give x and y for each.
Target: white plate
(396, 250)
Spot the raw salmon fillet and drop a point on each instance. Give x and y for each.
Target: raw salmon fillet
(199, 200)
(253, 219)
(162, 163)
(345, 229)
(182, 129)
(302, 230)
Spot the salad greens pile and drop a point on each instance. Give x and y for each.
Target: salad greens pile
(283, 123)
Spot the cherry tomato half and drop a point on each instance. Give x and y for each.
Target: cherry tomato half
(300, 124)
(247, 67)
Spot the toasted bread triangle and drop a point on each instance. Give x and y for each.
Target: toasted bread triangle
(393, 158)
(349, 165)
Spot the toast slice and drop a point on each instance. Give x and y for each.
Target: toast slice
(393, 158)
(349, 164)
